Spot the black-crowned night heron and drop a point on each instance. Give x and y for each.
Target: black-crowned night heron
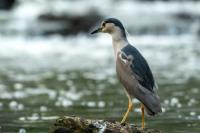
(132, 70)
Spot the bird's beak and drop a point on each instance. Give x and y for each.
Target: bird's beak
(96, 31)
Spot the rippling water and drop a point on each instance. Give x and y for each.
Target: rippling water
(42, 78)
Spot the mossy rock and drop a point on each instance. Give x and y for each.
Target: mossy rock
(68, 124)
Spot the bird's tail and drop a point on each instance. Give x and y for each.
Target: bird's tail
(150, 100)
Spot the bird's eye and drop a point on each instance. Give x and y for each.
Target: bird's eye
(103, 24)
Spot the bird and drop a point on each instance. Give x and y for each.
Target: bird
(132, 70)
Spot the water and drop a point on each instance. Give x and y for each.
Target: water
(44, 77)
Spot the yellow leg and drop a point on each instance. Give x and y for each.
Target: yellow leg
(142, 109)
(130, 106)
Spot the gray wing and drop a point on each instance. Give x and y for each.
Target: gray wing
(140, 67)
(143, 88)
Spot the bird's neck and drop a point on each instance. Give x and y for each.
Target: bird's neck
(118, 43)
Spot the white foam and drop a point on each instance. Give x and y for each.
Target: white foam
(15, 106)
(166, 102)
(18, 86)
(1, 105)
(27, 92)
(191, 102)
(153, 13)
(117, 8)
(91, 104)
(22, 130)
(192, 113)
(174, 101)
(43, 109)
(41, 54)
(49, 117)
(66, 103)
(22, 118)
(101, 104)
(163, 109)
(34, 117)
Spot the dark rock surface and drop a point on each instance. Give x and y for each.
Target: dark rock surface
(6, 4)
(67, 25)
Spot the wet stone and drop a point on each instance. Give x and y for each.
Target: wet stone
(69, 124)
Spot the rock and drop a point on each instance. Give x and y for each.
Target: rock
(66, 24)
(6, 4)
(74, 124)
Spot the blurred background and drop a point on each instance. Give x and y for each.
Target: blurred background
(47, 72)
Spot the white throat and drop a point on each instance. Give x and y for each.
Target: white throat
(118, 42)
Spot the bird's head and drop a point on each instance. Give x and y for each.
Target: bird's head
(112, 26)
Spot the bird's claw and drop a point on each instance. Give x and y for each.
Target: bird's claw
(122, 123)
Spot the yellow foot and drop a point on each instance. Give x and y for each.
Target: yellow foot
(130, 106)
(143, 122)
